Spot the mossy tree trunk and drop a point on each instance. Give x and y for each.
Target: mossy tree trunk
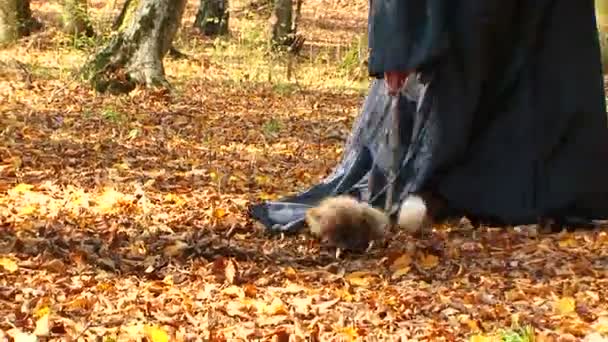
(135, 53)
(75, 18)
(281, 23)
(27, 23)
(8, 22)
(212, 17)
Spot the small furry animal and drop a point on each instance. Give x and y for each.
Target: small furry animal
(347, 223)
(413, 214)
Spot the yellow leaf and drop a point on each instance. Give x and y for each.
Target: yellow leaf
(601, 325)
(483, 338)
(43, 326)
(567, 241)
(42, 311)
(9, 265)
(472, 324)
(234, 291)
(362, 279)
(20, 188)
(350, 333)
(290, 273)
(400, 272)
(428, 261)
(219, 212)
(277, 307)
(565, 305)
(401, 262)
(17, 162)
(156, 334)
(27, 210)
(174, 199)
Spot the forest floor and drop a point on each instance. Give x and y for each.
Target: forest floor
(126, 216)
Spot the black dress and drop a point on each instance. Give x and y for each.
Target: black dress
(505, 119)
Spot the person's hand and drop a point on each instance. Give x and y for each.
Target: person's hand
(395, 80)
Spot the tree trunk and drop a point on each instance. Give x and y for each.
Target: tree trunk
(281, 23)
(135, 54)
(601, 11)
(27, 23)
(75, 18)
(212, 17)
(296, 16)
(8, 22)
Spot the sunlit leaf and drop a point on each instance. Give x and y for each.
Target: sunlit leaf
(8, 264)
(565, 305)
(363, 279)
(567, 241)
(43, 326)
(428, 261)
(156, 334)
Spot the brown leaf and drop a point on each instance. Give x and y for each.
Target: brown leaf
(175, 249)
(231, 271)
(55, 265)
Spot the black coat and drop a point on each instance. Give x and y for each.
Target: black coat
(512, 117)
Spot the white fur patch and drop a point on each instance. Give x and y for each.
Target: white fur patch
(412, 214)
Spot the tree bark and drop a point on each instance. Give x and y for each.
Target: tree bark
(212, 17)
(135, 53)
(27, 23)
(281, 23)
(8, 22)
(601, 12)
(75, 18)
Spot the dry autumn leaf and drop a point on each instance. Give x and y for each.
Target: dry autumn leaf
(175, 249)
(428, 261)
(156, 334)
(360, 278)
(565, 305)
(9, 264)
(43, 326)
(567, 241)
(231, 271)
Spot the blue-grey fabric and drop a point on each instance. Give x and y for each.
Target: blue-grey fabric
(505, 118)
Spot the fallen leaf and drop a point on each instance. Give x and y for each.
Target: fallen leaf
(43, 326)
(276, 307)
(565, 305)
(231, 271)
(234, 291)
(323, 307)
(363, 279)
(350, 333)
(302, 306)
(428, 261)
(55, 265)
(155, 334)
(601, 325)
(9, 264)
(400, 272)
(19, 336)
(219, 212)
(567, 241)
(401, 262)
(175, 249)
(250, 290)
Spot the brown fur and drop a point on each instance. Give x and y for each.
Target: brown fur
(346, 223)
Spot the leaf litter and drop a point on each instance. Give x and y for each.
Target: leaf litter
(125, 217)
